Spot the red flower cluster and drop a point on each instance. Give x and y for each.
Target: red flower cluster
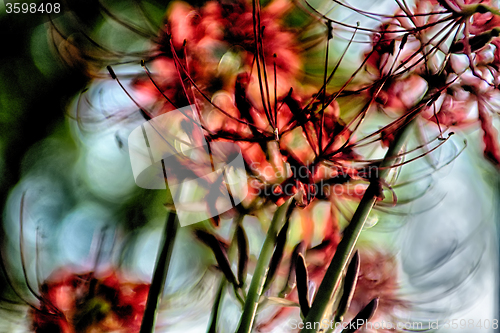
(202, 51)
(448, 53)
(241, 67)
(71, 302)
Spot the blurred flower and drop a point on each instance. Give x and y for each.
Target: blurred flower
(85, 302)
(209, 46)
(378, 278)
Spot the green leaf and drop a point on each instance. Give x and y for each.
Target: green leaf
(302, 285)
(362, 317)
(220, 254)
(350, 280)
(277, 255)
(242, 254)
(215, 308)
(160, 273)
(256, 286)
(290, 283)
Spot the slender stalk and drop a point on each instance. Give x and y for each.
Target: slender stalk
(161, 268)
(160, 273)
(351, 233)
(259, 275)
(215, 308)
(219, 297)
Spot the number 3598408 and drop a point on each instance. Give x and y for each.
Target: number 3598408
(32, 8)
(470, 324)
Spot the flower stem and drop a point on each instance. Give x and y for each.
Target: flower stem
(215, 308)
(259, 275)
(351, 233)
(160, 273)
(223, 282)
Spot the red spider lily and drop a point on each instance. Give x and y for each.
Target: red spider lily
(300, 148)
(259, 105)
(457, 109)
(194, 41)
(406, 69)
(72, 302)
(229, 25)
(490, 135)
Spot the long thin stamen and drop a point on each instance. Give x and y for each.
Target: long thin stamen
(181, 67)
(275, 99)
(148, 73)
(161, 268)
(322, 112)
(257, 28)
(342, 24)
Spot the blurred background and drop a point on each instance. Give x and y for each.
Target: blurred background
(82, 207)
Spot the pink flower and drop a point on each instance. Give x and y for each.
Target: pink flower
(463, 80)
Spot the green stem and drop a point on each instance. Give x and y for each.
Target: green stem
(160, 273)
(223, 282)
(215, 308)
(351, 233)
(259, 275)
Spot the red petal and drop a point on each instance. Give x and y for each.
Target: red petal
(490, 137)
